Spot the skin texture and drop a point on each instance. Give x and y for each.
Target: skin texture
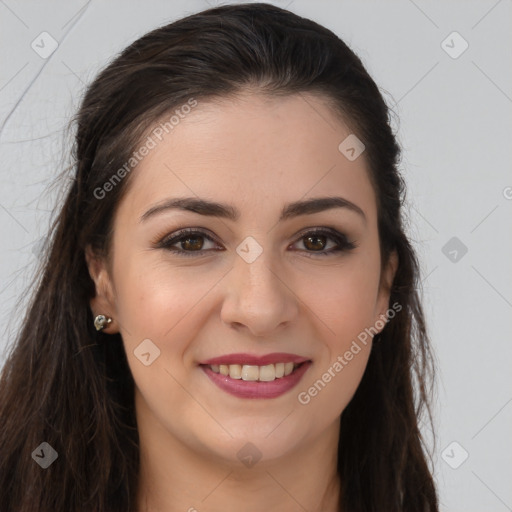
(255, 153)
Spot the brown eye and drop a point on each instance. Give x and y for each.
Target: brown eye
(192, 243)
(315, 242)
(188, 242)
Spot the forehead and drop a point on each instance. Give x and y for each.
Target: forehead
(251, 151)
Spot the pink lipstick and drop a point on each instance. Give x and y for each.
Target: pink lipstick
(252, 376)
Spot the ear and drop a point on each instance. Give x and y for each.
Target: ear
(103, 303)
(386, 283)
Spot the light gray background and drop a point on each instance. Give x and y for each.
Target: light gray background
(455, 127)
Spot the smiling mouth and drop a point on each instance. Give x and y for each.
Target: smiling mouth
(253, 373)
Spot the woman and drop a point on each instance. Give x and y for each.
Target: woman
(228, 315)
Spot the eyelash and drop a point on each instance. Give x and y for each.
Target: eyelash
(344, 245)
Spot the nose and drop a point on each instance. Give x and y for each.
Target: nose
(258, 297)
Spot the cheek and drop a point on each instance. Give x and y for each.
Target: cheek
(159, 302)
(346, 311)
(344, 300)
(330, 389)
(342, 297)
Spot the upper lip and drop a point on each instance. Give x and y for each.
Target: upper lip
(249, 359)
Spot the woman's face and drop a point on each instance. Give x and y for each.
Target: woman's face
(264, 284)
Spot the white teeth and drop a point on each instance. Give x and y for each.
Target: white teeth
(251, 372)
(235, 371)
(268, 372)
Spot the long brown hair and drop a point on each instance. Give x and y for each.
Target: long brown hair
(66, 384)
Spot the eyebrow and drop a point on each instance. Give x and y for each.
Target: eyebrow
(214, 209)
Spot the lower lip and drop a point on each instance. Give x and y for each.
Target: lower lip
(256, 389)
